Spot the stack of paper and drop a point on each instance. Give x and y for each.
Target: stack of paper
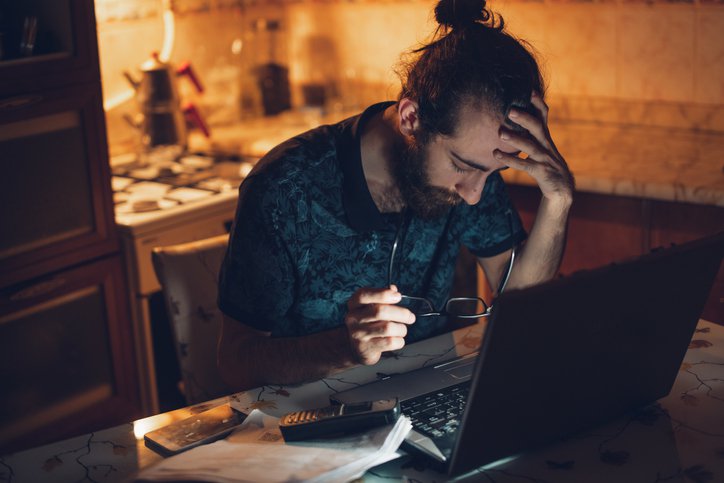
(257, 452)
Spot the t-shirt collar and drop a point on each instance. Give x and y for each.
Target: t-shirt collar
(360, 208)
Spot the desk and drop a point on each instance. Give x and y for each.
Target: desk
(681, 438)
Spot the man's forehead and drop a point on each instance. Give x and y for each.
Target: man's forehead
(475, 122)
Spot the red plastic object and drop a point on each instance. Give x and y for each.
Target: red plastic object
(186, 69)
(193, 116)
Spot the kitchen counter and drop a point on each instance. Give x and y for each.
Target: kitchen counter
(668, 164)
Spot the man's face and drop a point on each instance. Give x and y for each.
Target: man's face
(447, 170)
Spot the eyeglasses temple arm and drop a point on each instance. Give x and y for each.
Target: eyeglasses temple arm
(504, 282)
(394, 246)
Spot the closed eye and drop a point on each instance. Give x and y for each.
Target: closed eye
(458, 162)
(459, 169)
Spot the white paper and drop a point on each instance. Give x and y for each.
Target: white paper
(256, 452)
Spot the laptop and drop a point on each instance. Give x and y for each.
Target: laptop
(558, 358)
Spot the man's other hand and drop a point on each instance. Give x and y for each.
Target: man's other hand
(375, 323)
(544, 163)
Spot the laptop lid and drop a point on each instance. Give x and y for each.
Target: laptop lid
(575, 352)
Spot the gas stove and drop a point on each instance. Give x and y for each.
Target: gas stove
(154, 195)
(164, 204)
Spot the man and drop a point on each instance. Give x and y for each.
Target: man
(308, 285)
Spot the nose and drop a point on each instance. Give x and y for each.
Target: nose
(470, 189)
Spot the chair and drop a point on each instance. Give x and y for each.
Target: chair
(188, 274)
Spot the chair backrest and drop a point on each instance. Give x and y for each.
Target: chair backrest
(188, 274)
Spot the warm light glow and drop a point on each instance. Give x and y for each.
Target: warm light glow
(245, 169)
(262, 146)
(143, 426)
(169, 34)
(236, 46)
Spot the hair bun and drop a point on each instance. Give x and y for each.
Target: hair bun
(460, 13)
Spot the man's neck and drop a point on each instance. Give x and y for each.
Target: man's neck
(377, 149)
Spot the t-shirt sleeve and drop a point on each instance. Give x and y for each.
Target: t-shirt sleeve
(256, 280)
(493, 225)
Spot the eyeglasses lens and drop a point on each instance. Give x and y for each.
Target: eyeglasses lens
(465, 307)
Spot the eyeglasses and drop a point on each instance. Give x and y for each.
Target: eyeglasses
(460, 307)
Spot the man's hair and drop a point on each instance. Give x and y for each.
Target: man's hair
(471, 60)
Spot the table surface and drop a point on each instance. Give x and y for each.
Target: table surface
(680, 438)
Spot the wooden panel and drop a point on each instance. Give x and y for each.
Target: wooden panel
(60, 166)
(602, 228)
(90, 363)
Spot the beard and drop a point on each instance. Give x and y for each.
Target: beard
(410, 171)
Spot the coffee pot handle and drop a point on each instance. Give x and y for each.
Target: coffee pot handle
(193, 117)
(186, 69)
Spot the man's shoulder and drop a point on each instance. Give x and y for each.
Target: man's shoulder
(305, 167)
(307, 157)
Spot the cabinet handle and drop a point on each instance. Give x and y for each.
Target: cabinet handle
(18, 102)
(38, 289)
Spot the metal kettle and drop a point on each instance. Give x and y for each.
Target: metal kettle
(162, 120)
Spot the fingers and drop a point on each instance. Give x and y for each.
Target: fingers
(374, 312)
(544, 163)
(375, 324)
(553, 176)
(366, 295)
(530, 123)
(534, 148)
(376, 330)
(539, 103)
(536, 164)
(515, 162)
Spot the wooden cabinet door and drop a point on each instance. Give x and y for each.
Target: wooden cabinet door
(602, 228)
(66, 355)
(65, 50)
(56, 206)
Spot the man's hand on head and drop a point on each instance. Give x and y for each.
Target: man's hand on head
(375, 323)
(544, 163)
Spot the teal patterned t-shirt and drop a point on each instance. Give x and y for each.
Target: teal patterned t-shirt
(307, 234)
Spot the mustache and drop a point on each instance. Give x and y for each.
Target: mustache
(444, 196)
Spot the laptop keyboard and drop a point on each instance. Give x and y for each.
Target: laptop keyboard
(438, 413)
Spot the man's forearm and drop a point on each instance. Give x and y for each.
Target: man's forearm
(256, 361)
(540, 257)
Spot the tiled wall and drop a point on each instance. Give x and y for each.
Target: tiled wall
(645, 62)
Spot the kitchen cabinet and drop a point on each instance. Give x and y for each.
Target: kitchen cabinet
(64, 354)
(67, 361)
(64, 50)
(55, 199)
(606, 228)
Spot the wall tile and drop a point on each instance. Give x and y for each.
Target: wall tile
(656, 52)
(709, 73)
(359, 68)
(582, 56)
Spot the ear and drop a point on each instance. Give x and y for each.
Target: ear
(408, 112)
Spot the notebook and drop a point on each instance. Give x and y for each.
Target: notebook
(558, 358)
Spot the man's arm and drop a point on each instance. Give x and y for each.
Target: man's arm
(250, 358)
(540, 257)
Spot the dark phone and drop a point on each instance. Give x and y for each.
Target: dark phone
(201, 428)
(338, 419)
